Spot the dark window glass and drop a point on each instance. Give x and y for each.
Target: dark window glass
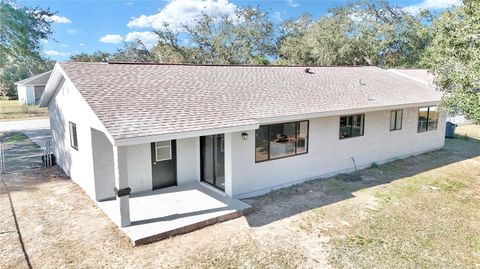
(73, 135)
(396, 120)
(302, 137)
(261, 144)
(281, 140)
(427, 118)
(351, 126)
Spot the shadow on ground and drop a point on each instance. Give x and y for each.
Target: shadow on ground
(313, 194)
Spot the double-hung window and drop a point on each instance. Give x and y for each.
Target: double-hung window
(73, 135)
(427, 118)
(281, 140)
(352, 126)
(396, 120)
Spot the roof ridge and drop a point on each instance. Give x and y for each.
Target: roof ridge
(230, 65)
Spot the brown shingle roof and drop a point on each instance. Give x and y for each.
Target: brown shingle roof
(134, 100)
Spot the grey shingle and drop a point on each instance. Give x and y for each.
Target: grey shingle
(134, 100)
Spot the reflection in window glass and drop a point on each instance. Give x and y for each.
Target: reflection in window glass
(427, 118)
(422, 119)
(261, 144)
(302, 140)
(281, 140)
(432, 118)
(351, 126)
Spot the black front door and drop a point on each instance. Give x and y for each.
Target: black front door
(213, 160)
(164, 164)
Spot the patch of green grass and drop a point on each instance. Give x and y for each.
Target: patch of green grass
(13, 137)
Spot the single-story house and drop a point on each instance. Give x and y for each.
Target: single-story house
(425, 76)
(30, 90)
(120, 128)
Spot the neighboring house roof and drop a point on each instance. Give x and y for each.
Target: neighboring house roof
(138, 100)
(417, 74)
(40, 79)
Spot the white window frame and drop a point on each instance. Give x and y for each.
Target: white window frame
(157, 146)
(395, 113)
(73, 135)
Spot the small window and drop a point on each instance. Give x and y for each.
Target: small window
(73, 135)
(352, 126)
(281, 140)
(427, 118)
(396, 120)
(163, 150)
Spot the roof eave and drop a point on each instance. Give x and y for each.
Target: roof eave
(180, 135)
(56, 77)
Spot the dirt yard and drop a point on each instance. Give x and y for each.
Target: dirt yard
(421, 212)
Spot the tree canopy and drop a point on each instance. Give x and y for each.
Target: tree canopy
(455, 57)
(21, 32)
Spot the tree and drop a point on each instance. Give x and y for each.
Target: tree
(245, 38)
(363, 32)
(21, 31)
(455, 57)
(134, 51)
(97, 56)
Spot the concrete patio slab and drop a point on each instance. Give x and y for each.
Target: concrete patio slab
(175, 210)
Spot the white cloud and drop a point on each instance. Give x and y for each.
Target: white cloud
(82, 45)
(115, 39)
(128, 3)
(149, 39)
(277, 16)
(57, 19)
(56, 53)
(180, 12)
(432, 4)
(72, 31)
(292, 3)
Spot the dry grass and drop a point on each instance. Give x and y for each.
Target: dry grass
(468, 131)
(13, 110)
(421, 212)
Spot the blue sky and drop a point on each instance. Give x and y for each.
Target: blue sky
(88, 26)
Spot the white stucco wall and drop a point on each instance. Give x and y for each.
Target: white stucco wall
(69, 106)
(188, 160)
(327, 154)
(102, 152)
(26, 94)
(139, 168)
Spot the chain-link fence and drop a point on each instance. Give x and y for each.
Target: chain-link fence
(24, 155)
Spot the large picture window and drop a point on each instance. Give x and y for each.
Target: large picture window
(281, 140)
(351, 126)
(73, 135)
(427, 118)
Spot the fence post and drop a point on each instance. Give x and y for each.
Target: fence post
(3, 158)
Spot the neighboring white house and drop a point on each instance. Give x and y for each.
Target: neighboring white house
(245, 130)
(30, 90)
